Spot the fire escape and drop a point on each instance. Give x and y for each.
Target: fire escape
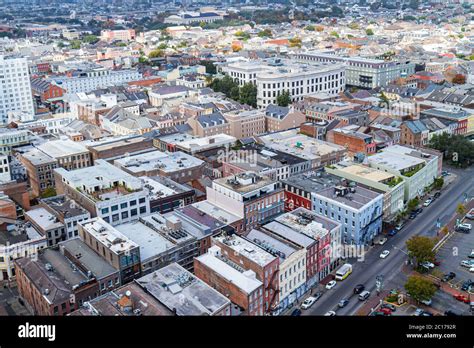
(270, 286)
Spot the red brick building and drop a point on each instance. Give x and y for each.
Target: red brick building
(353, 141)
(46, 91)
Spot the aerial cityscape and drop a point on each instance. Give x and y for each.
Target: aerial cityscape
(236, 158)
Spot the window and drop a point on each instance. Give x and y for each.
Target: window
(114, 207)
(125, 215)
(132, 203)
(105, 210)
(123, 205)
(141, 200)
(133, 212)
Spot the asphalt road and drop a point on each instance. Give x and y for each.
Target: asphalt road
(366, 272)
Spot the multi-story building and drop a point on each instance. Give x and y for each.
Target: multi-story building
(112, 149)
(354, 141)
(239, 285)
(87, 81)
(118, 250)
(205, 125)
(15, 96)
(418, 168)
(39, 167)
(358, 209)
(105, 191)
(245, 124)
(67, 211)
(162, 240)
(459, 116)
(117, 35)
(10, 138)
(69, 154)
(319, 153)
(292, 265)
(361, 72)
(280, 118)
(166, 194)
(183, 293)
(392, 186)
(414, 133)
(275, 76)
(248, 195)
(47, 224)
(178, 166)
(21, 241)
(51, 286)
(250, 256)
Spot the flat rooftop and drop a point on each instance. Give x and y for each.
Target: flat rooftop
(181, 291)
(37, 157)
(109, 236)
(299, 144)
(244, 247)
(396, 161)
(44, 219)
(245, 182)
(289, 233)
(62, 148)
(123, 141)
(205, 143)
(243, 281)
(271, 244)
(151, 242)
(365, 172)
(161, 187)
(64, 206)
(216, 212)
(169, 227)
(307, 222)
(357, 199)
(87, 257)
(167, 162)
(313, 181)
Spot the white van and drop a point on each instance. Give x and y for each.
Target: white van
(364, 295)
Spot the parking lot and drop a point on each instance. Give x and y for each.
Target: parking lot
(452, 252)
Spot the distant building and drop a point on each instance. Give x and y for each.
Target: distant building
(187, 18)
(117, 35)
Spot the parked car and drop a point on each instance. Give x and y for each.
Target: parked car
(392, 232)
(412, 215)
(427, 264)
(465, 226)
(296, 312)
(317, 295)
(466, 286)
(418, 312)
(448, 276)
(386, 311)
(462, 298)
(437, 194)
(390, 306)
(418, 211)
(364, 295)
(462, 229)
(471, 255)
(467, 263)
(470, 214)
(426, 314)
(359, 288)
(382, 241)
(384, 254)
(331, 284)
(427, 302)
(330, 314)
(399, 226)
(308, 302)
(427, 202)
(343, 303)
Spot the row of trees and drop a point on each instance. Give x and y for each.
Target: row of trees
(247, 94)
(457, 150)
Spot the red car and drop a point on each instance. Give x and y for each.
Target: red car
(386, 311)
(462, 298)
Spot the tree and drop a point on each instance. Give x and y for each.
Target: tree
(90, 39)
(420, 288)
(369, 32)
(210, 67)
(354, 26)
(75, 44)
(421, 248)
(48, 192)
(459, 79)
(265, 33)
(248, 94)
(461, 209)
(156, 53)
(438, 183)
(284, 99)
(457, 149)
(413, 204)
(295, 42)
(310, 28)
(335, 34)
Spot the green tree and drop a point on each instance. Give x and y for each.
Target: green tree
(265, 33)
(75, 44)
(335, 34)
(156, 53)
(284, 99)
(90, 39)
(48, 192)
(295, 42)
(421, 248)
(310, 28)
(248, 94)
(461, 209)
(354, 26)
(210, 67)
(420, 288)
(369, 32)
(457, 149)
(438, 183)
(413, 204)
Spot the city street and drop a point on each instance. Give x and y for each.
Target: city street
(366, 272)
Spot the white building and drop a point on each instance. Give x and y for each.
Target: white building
(15, 89)
(105, 191)
(86, 81)
(417, 168)
(273, 77)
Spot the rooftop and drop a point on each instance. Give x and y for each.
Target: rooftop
(245, 182)
(313, 181)
(365, 172)
(247, 249)
(109, 236)
(64, 206)
(164, 161)
(62, 147)
(37, 157)
(271, 244)
(242, 280)
(162, 186)
(181, 291)
(205, 143)
(354, 197)
(44, 219)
